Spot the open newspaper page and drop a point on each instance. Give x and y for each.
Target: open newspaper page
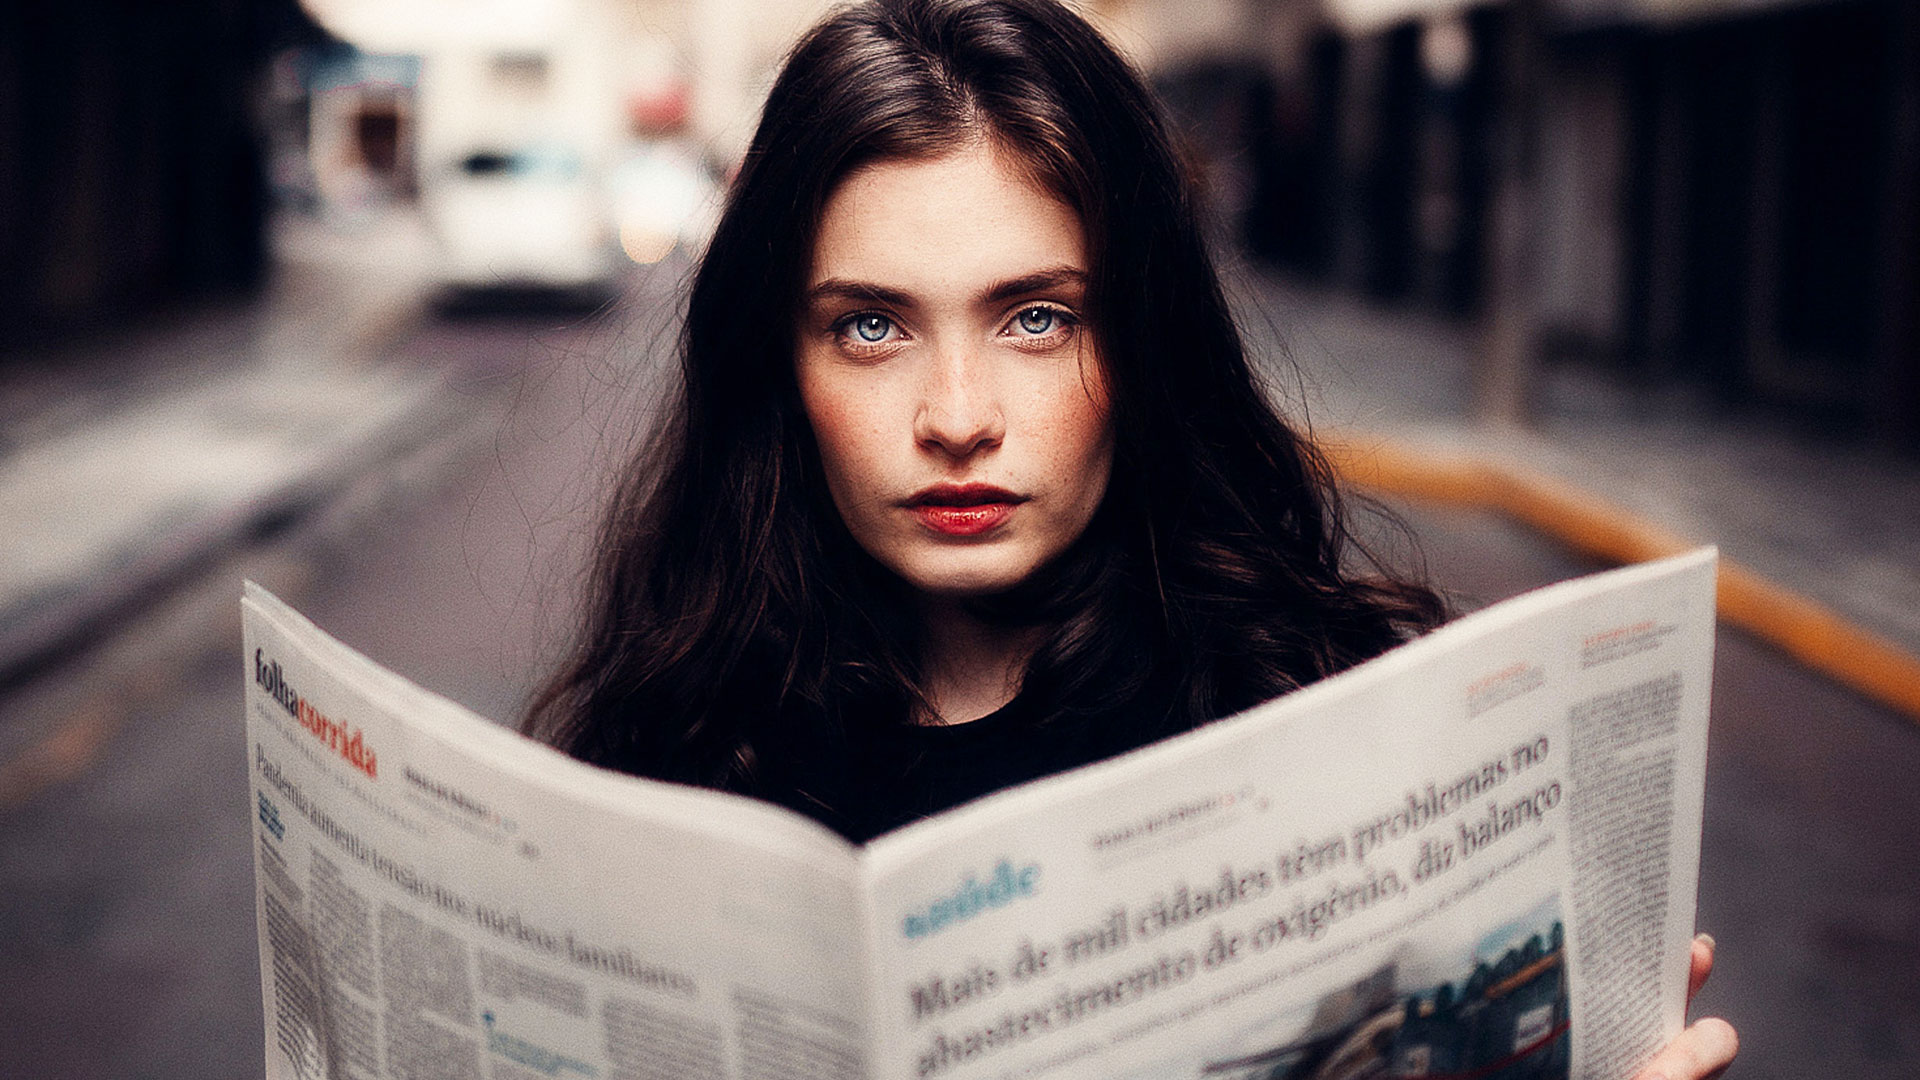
(1474, 857)
(441, 898)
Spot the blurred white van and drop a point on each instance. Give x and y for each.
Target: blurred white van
(520, 217)
(516, 142)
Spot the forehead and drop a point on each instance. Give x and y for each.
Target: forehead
(943, 225)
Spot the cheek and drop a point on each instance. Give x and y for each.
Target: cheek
(844, 430)
(1082, 430)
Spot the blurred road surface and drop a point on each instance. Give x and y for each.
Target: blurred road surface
(126, 917)
(126, 911)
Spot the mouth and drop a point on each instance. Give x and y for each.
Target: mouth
(963, 509)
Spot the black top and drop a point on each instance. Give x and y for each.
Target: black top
(897, 773)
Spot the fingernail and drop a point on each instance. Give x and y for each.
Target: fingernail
(1705, 939)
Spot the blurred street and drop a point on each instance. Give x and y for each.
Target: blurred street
(450, 558)
(368, 302)
(124, 837)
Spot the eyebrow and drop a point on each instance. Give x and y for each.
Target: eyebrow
(1052, 277)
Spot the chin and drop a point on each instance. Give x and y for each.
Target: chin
(953, 579)
(965, 588)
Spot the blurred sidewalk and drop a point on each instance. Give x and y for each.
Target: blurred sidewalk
(1837, 523)
(130, 464)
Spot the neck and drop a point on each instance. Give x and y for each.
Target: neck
(971, 667)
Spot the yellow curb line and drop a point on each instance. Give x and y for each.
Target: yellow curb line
(62, 755)
(1808, 631)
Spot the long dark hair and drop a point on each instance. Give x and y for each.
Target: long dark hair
(734, 621)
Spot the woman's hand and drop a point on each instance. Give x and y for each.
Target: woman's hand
(1705, 1049)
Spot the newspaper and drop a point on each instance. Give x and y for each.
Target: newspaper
(1475, 856)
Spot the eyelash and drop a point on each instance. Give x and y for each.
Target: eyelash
(1065, 325)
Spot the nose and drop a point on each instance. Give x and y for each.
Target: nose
(959, 411)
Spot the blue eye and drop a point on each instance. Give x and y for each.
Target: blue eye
(872, 328)
(1037, 320)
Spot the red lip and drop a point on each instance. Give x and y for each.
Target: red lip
(963, 509)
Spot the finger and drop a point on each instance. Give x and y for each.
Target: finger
(1701, 961)
(1702, 1052)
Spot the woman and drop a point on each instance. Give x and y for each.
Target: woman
(970, 479)
(962, 221)
(965, 221)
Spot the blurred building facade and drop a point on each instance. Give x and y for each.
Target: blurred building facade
(1717, 193)
(1722, 193)
(130, 158)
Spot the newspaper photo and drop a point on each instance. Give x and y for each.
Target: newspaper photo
(1475, 856)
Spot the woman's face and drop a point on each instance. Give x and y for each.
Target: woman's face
(956, 395)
